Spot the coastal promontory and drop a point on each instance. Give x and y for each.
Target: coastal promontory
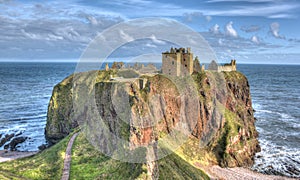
(218, 113)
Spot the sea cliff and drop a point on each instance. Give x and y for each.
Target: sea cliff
(215, 107)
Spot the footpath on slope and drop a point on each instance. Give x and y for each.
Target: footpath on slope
(68, 156)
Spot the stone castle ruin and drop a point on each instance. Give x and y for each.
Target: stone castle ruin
(176, 62)
(180, 62)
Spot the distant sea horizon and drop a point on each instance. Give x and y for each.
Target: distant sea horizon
(26, 88)
(126, 60)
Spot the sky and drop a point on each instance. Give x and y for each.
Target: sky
(250, 31)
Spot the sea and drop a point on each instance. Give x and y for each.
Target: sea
(26, 88)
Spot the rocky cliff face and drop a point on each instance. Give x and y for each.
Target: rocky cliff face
(215, 108)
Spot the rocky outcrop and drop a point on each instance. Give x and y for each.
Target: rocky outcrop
(6, 139)
(11, 141)
(14, 143)
(59, 117)
(214, 107)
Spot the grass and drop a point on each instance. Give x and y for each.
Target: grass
(195, 156)
(88, 163)
(45, 165)
(174, 167)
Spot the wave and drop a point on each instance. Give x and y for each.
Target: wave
(15, 129)
(283, 116)
(277, 160)
(25, 118)
(256, 106)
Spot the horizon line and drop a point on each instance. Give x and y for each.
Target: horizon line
(77, 61)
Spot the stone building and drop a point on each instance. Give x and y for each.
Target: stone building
(213, 66)
(177, 62)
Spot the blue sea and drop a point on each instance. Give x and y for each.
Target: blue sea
(275, 91)
(26, 89)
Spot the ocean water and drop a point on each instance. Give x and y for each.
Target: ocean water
(275, 91)
(26, 89)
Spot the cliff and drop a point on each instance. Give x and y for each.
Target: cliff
(212, 109)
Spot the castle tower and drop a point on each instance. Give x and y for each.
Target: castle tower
(177, 62)
(233, 64)
(106, 67)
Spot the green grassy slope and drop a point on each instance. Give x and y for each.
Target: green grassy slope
(88, 163)
(45, 165)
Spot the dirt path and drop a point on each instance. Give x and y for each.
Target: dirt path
(12, 155)
(68, 156)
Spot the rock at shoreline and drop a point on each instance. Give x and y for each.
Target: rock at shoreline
(42, 147)
(13, 144)
(6, 139)
(6, 146)
(19, 134)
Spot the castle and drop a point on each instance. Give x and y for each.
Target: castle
(177, 62)
(180, 62)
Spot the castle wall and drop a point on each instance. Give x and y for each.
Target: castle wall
(186, 64)
(227, 68)
(171, 64)
(213, 66)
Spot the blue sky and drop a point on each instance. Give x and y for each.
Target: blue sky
(251, 31)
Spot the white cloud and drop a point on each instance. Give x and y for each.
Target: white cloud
(92, 20)
(252, 28)
(155, 40)
(151, 45)
(229, 30)
(208, 18)
(270, 10)
(215, 29)
(281, 16)
(255, 39)
(274, 29)
(220, 41)
(125, 36)
(212, 1)
(189, 17)
(52, 30)
(61, 28)
(225, 46)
